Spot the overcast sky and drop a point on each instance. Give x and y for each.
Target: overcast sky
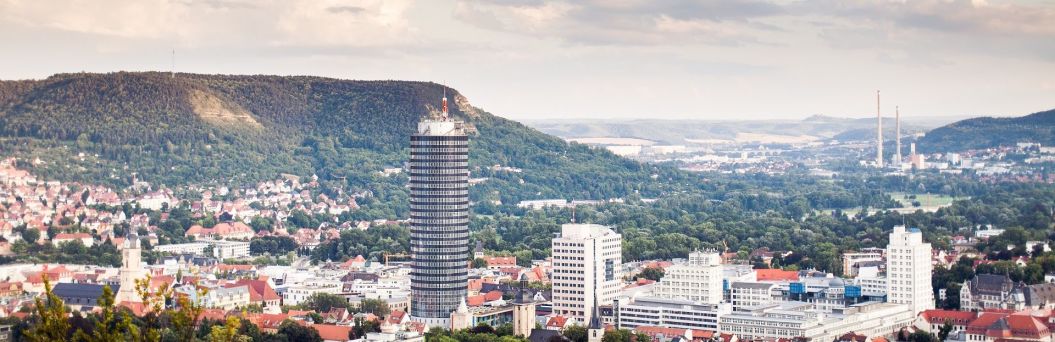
(535, 59)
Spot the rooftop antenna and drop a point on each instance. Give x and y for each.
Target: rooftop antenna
(445, 102)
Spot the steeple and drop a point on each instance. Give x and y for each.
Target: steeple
(595, 317)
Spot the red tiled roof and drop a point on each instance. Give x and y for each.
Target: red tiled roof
(557, 322)
(671, 332)
(331, 332)
(259, 290)
(956, 317)
(493, 296)
(476, 300)
(776, 275)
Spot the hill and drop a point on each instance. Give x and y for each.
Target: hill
(988, 132)
(225, 129)
(683, 131)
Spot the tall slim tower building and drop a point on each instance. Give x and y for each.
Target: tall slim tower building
(909, 270)
(897, 136)
(439, 218)
(879, 133)
(587, 264)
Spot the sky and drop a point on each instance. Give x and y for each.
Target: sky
(588, 59)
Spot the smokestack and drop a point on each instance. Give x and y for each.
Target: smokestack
(879, 134)
(897, 136)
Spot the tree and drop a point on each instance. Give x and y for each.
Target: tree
(31, 235)
(620, 335)
(108, 326)
(378, 307)
(296, 332)
(479, 263)
(323, 302)
(576, 333)
(651, 273)
(943, 332)
(228, 332)
(52, 324)
(643, 337)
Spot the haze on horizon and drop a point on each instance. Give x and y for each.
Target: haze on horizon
(603, 59)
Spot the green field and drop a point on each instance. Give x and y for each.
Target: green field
(925, 200)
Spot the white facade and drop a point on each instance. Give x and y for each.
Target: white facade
(909, 270)
(131, 270)
(295, 294)
(196, 248)
(797, 319)
(221, 249)
(698, 280)
(227, 298)
(744, 295)
(852, 258)
(671, 313)
(587, 264)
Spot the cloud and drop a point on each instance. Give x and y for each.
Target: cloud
(344, 9)
(625, 22)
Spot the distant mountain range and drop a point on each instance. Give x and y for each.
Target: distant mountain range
(817, 127)
(988, 132)
(191, 128)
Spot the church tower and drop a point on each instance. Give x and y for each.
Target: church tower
(596, 329)
(523, 310)
(131, 269)
(461, 318)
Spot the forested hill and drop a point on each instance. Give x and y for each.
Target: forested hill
(240, 129)
(987, 132)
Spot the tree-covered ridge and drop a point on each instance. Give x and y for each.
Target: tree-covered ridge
(163, 128)
(986, 132)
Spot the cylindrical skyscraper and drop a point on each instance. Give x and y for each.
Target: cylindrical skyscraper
(439, 219)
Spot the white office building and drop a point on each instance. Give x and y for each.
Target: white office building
(697, 280)
(221, 249)
(803, 320)
(667, 312)
(587, 264)
(909, 270)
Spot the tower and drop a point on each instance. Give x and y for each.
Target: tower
(523, 310)
(131, 269)
(909, 270)
(879, 134)
(897, 136)
(439, 218)
(593, 254)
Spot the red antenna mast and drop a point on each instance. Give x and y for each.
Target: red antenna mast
(445, 102)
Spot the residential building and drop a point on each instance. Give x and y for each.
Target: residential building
(227, 298)
(587, 264)
(439, 218)
(295, 294)
(909, 270)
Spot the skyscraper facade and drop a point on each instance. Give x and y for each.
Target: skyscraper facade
(909, 270)
(439, 219)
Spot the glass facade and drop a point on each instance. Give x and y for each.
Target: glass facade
(439, 221)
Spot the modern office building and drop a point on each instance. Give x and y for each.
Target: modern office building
(587, 269)
(439, 218)
(799, 320)
(909, 270)
(697, 280)
(667, 312)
